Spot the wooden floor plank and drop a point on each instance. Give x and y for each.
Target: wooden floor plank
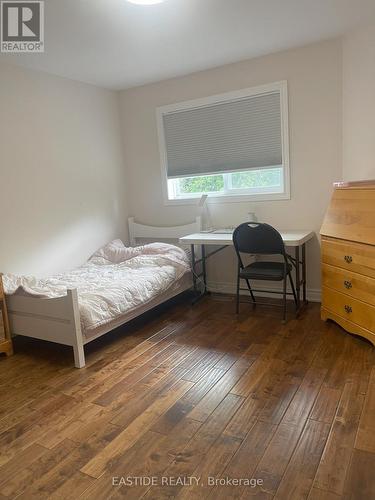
(188, 402)
(151, 458)
(217, 458)
(193, 391)
(195, 451)
(336, 457)
(19, 437)
(299, 475)
(72, 488)
(13, 466)
(103, 487)
(304, 399)
(360, 483)
(213, 398)
(142, 397)
(245, 461)
(365, 439)
(34, 472)
(74, 419)
(317, 494)
(246, 416)
(131, 433)
(136, 374)
(274, 462)
(325, 405)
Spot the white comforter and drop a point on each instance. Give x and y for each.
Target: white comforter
(114, 281)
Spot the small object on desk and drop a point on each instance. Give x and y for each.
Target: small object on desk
(202, 203)
(252, 217)
(5, 338)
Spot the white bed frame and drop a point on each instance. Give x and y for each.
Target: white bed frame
(58, 320)
(139, 231)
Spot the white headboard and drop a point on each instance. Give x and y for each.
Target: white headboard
(137, 230)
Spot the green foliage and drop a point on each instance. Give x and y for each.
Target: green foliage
(256, 178)
(205, 184)
(239, 180)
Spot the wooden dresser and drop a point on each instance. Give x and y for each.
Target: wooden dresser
(348, 258)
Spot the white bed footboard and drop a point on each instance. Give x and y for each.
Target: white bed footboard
(56, 320)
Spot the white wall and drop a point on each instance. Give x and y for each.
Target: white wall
(359, 104)
(314, 75)
(63, 182)
(61, 173)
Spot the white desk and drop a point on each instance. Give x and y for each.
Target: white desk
(290, 238)
(294, 239)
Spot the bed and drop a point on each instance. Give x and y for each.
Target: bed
(60, 319)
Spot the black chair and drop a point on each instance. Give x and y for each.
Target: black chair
(261, 239)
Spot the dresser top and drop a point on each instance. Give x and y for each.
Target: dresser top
(351, 213)
(368, 184)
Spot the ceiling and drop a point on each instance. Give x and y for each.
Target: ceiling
(116, 44)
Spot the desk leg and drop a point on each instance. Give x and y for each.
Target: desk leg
(192, 248)
(204, 273)
(298, 279)
(304, 273)
(301, 265)
(197, 274)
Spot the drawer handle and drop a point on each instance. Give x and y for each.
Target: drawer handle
(348, 259)
(348, 284)
(348, 309)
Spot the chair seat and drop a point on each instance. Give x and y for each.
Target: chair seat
(273, 271)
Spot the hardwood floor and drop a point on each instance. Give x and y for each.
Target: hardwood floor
(193, 399)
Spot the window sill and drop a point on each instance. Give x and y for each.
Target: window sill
(240, 198)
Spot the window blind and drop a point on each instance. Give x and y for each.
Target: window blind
(242, 134)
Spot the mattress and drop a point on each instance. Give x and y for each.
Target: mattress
(179, 286)
(114, 285)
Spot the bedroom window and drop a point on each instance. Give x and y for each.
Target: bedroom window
(231, 147)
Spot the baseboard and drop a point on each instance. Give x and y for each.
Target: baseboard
(313, 294)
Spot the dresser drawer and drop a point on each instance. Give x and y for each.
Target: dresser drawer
(353, 284)
(349, 308)
(355, 257)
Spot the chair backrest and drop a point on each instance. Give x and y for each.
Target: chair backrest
(258, 238)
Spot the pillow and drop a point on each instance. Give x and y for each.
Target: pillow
(114, 252)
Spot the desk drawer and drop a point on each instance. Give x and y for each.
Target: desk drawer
(351, 309)
(355, 257)
(353, 284)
